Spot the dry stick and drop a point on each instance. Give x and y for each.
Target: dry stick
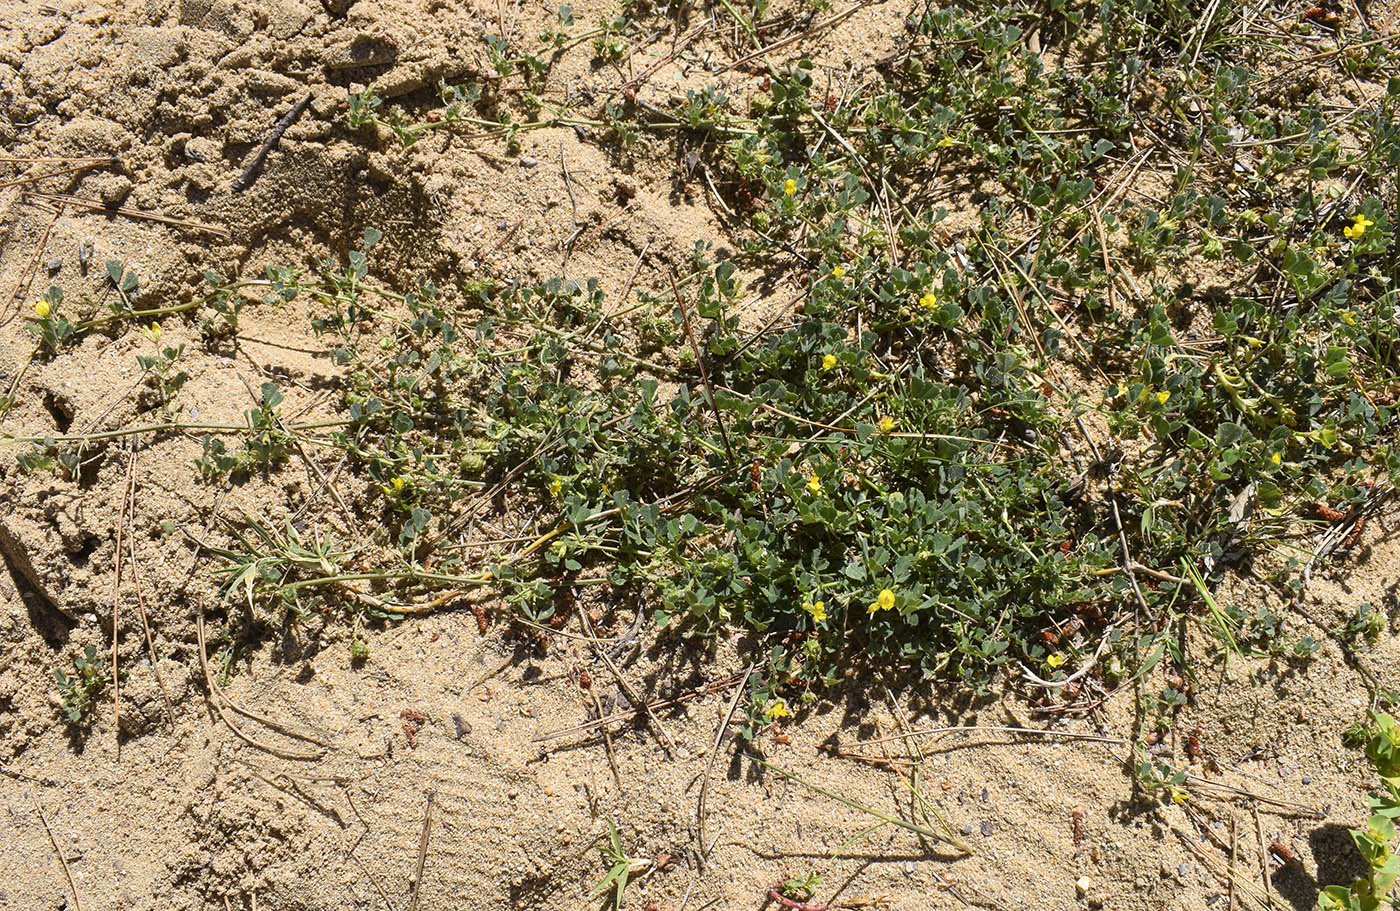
(255, 166)
(93, 205)
(1263, 853)
(634, 712)
(667, 743)
(709, 764)
(213, 697)
(793, 39)
(116, 595)
(29, 159)
(77, 902)
(422, 853)
(146, 623)
(37, 177)
(607, 742)
(373, 882)
(1234, 850)
(700, 362)
(26, 277)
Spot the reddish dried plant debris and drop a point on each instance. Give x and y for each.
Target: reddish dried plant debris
(775, 892)
(482, 623)
(412, 723)
(1354, 538)
(1326, 512)
(1076, 825)
(1285, 854)
(1193, 743)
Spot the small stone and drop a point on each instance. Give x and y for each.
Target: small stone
(461, 724)
(1081, 886)
(528, 162)
(1183, 870)
(988, 828)
(513, 793)
(54, 265)
(908, 868)
(968, 829)
(1307, 779)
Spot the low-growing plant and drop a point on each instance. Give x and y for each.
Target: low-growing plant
(1376, 842)
(79, 690)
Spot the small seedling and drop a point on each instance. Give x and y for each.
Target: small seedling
(80, 689)
(621, 868)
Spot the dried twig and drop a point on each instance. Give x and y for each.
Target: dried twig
(93, 205)
(714, 751)
(116, 600)
(587, 726)
(255, 165)
(77, 900)
(422, 853)
(700, 362)
(667, 743)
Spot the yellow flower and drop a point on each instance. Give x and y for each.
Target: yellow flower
(1163, 396)
(946, 142)
(1055, 660)
(153, 332)
(1358, 226)
(885, 599)
(43, 308)
(395, 487)
(776, 709)
(928, 301)
(1276, 458)
(555, 486)
(814, 484)
(838, 271)
(828, 361)
(1348, 317)
(886, 424)
(789, 187)
(818, 610)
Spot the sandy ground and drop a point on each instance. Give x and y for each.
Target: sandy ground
(189, 815)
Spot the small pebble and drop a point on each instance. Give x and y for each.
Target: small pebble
(500, 725)
(54, 265)
(528, 162)
(463, 727)
(1183, 870)
(968, 829)
(908, 868)
(513, 793)
(988, 828)
(1307, 779)
(1081, 886)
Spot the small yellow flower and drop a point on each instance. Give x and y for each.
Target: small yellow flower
(1277, 459)
(1348, 317)
(838, 271)
(818, 610)
(1163, 396)
(885, 599)
(1055, 660)
(153, 332)
(395, 487)
(1358, 226)
(828, 361)
(814, 484)
(776, 709)
(928, 301)
(1179, 794)
(555, 486)
(789, 187)
(886, 424)
(946, 142)
(43, 308)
